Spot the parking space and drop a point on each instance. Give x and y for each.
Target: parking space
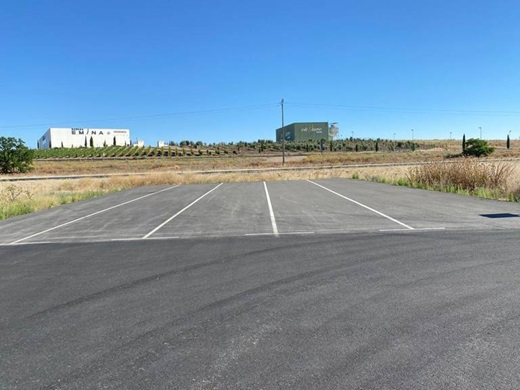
(129, 221)
(273, 208)
(233, 209)
(63, 217)
(306, 208)
(423, 209)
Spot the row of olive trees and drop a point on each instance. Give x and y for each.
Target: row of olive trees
(16, 157)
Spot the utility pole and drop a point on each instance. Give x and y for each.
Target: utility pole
(283, 136)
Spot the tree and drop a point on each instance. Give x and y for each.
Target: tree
(91, 142)
(477, 148)
(508, 142)
(14, 156)
(463, 143)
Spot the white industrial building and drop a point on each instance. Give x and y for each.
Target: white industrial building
(75, 137)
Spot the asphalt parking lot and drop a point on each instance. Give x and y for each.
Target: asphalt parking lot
(327, 284)
(240, 209)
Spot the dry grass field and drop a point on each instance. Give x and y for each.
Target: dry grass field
(20, 197)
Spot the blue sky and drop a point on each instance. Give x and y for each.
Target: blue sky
(216, 70)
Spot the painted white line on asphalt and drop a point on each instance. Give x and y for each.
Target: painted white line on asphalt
(394, 230)
(126, 239)
(362, 205)
(278, 234)
(407, 230)
(180, 212)
(91, 215)
(271, 213)
(31, 243)
(168, 238)
(298, 233)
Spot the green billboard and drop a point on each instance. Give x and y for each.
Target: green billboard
(315, 131)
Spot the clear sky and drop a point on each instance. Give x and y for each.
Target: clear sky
(216, 70)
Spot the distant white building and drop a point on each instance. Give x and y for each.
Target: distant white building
(76, 137)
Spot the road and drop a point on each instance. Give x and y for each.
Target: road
(326, 284)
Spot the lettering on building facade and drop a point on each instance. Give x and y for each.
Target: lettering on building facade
(317, 130)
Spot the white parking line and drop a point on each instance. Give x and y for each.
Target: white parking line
(362, 205)
(394, 230)
(90, 215)
(277, 234)
(180, 212)
(416, 229)
(271, 213)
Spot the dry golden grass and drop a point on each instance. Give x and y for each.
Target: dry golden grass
(467, 174)
(78, 167)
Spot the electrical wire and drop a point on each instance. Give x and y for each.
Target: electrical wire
(140, 117)
(403, 109)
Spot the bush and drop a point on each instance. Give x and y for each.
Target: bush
(14, 156)
(477, 148)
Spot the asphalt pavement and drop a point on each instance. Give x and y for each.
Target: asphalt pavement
(326, 284)
(243, 209)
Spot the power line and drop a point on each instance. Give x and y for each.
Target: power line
(139, 117)
(270, 106)
(404, 109)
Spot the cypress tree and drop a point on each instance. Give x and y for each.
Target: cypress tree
(463, 143)
(508, 142)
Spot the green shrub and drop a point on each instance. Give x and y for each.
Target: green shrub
(14, 156)
(477, 148)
